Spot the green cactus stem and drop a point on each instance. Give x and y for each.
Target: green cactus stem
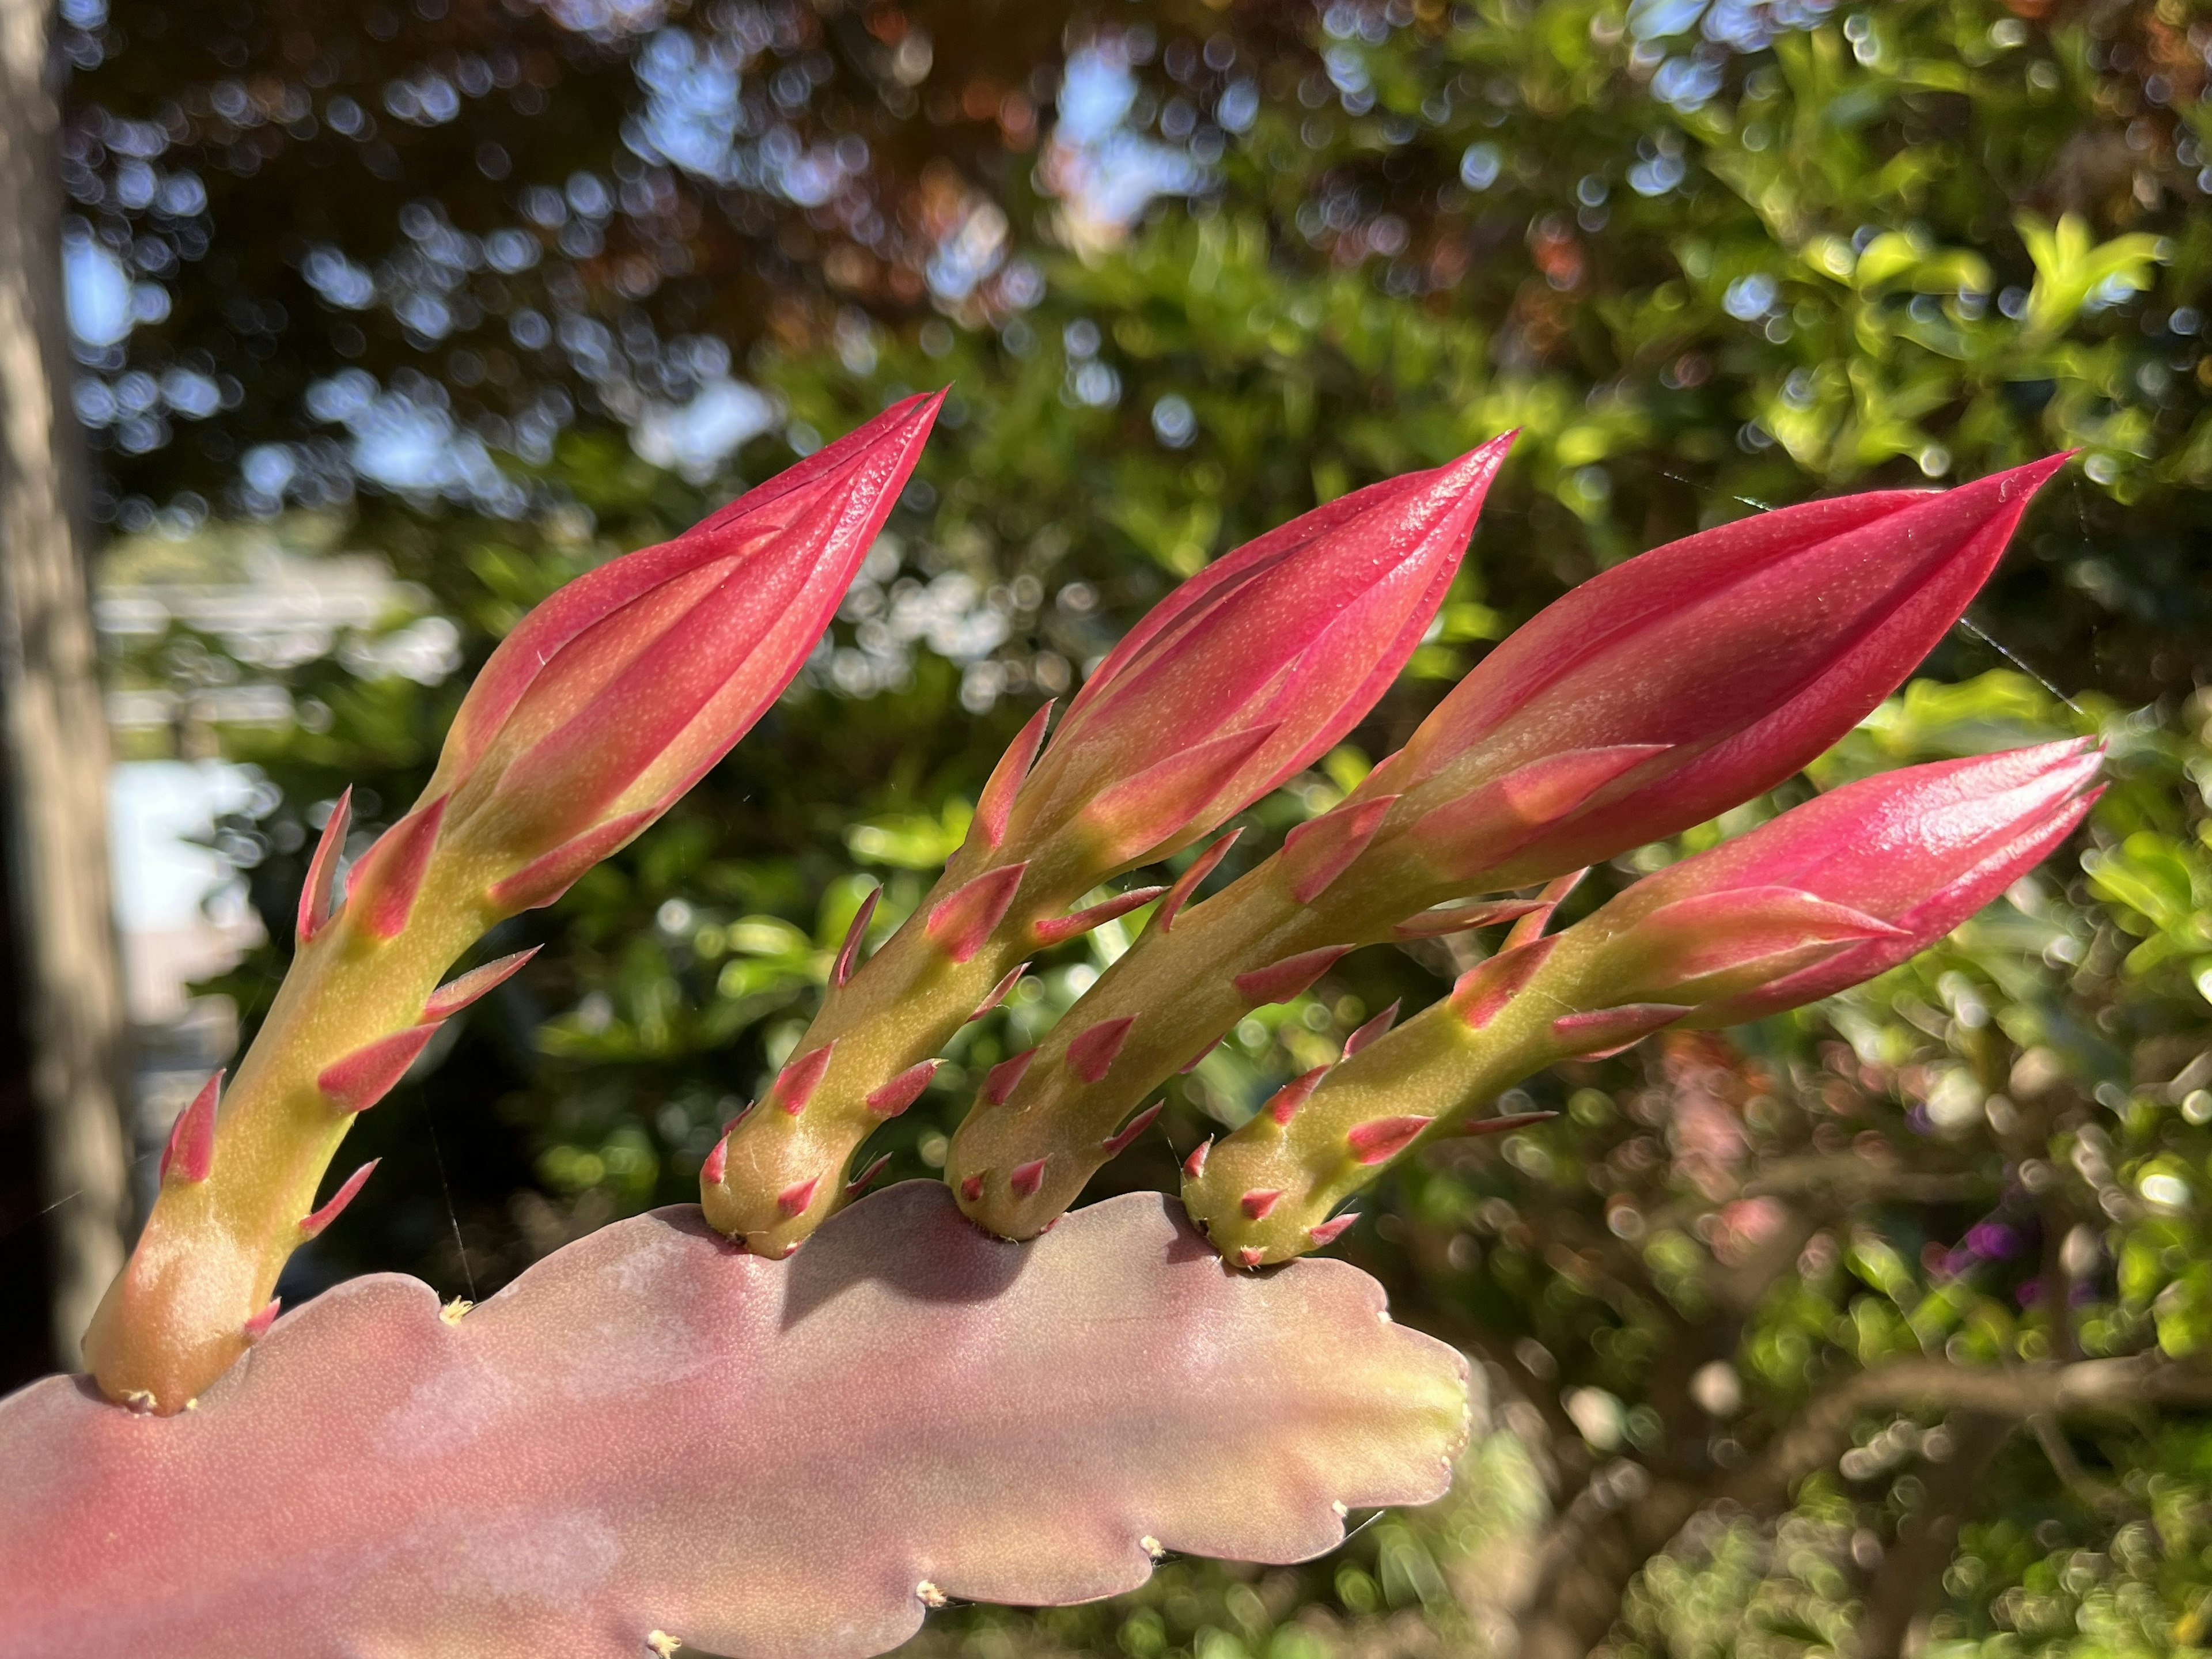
(1189, 978)
(779, 1171)
(1270, 1192)
(238, 1191)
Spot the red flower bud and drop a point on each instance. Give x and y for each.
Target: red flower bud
(616, 694)
(1681, 683)
(1845, 886)
(1256, 666)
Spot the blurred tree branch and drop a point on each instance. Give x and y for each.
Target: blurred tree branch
(1847, 1178)
(2016, 1394)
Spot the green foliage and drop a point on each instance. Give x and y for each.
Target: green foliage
(1912, 242)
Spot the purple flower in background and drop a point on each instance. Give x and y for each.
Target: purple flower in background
(1993, 1241)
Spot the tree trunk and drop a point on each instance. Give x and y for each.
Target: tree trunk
(53, 737)
(27, 1349)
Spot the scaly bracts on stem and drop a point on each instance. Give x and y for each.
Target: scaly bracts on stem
(603, 706)
(1240, 677)
(1647, 700)
(1829, 894)
(769, 1459)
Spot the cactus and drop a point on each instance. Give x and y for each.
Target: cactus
(651, 1435)
(1652, 697)
(677, 1432)
(1830, 893)
(1239, 678)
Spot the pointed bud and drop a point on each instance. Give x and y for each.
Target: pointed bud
(1603, 1032)
(718, 1163)
(1283, 1105)
(1317, 852)
(1025, 1178)
(317, 893)
(1383, 1137)
(1484, 990)
(995, 805)
(902, 1090)
(449, 999)
(190, 1154)
(1143, 818)
(1845, 886)
(794, 1085)
(1278, 982)
(972, 1188)
(860, 1183)
(1450, 918)
(1530, 928)
(1114, 1145)
(963, 919)
(544, 880)
(1259, 664)
(1250, 1256)
(618, 693)
(1091, 1055)
(1703, 947)
(998, 991)
(1329, 1231)
(1260, 1204)
(849, 953)
(1187, 883)
(380, 889)
(1002, 1079)
(1735, 656)
(1374, 1028)
(1059, 929)
(258, 1327)
(793, 1199)
(313, 1226)
(1464, 840)
(1194, 1165)
(364, 1077)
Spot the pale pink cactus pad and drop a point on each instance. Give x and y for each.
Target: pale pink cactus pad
(652, 1434)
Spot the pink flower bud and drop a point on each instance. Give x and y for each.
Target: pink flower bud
(616, 694)
(1256, 666)
(1847, 885)
(1681, 683)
